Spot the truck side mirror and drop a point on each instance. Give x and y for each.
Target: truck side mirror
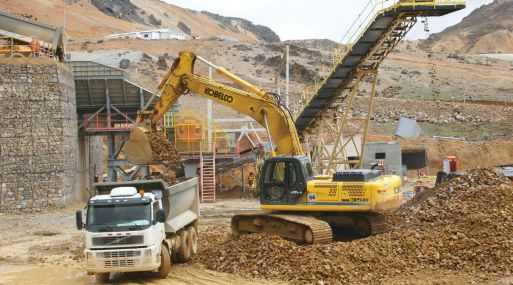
(161, 215)
(78, 218)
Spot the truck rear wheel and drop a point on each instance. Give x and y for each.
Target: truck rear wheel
(184, 253)
(165, 262)
(193, 237)
(102, 277)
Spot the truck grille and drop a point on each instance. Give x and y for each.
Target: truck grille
(118, 240)
(119, 254)
(119, 263)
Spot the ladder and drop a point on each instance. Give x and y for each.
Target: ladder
(208, 176)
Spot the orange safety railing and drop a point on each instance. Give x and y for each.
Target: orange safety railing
(107, 121)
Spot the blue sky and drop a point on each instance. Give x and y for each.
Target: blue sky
(306, 19)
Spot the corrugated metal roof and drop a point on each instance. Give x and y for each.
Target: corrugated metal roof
(95, 82)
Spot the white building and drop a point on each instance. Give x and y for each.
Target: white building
(160, 34)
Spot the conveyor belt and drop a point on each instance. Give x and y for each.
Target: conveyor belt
(344, 70)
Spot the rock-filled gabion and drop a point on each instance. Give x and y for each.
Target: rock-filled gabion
(463, 226)
(38, 136)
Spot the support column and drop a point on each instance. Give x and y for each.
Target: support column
(243, 180)
(145, 171)
(111, 155)
(209, 113)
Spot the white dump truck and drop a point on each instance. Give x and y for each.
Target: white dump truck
(140, 226)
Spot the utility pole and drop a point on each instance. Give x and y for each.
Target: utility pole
(209, 113)
(287, 77)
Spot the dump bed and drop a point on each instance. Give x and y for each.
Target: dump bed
(181, 201)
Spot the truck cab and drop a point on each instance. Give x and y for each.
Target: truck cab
(123, 224)
(126, 227)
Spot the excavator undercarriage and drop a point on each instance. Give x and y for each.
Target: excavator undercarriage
(307, 227)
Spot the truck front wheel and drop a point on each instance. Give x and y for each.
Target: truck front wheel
(102, 277)
(165, 262)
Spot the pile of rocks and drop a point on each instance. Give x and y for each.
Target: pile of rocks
(464, 225)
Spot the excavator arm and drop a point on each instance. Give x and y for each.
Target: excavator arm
(253, 102)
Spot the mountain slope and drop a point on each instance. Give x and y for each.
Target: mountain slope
(488, 29)
(96, 18)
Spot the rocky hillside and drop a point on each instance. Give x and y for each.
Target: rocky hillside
(86, 19)
(488, 29)
(239, 25)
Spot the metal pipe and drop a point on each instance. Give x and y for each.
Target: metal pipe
(267, 128)
(206, 62)
(241, 82)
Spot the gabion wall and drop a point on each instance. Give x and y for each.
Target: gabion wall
(38, 136)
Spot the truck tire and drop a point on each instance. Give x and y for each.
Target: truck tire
(193, 237)
(165, 263)
(184, 253)
(102, 277)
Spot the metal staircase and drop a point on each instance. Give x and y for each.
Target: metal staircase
(322, 117)
(208, 177)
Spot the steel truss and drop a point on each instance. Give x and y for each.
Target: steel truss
(335, 128)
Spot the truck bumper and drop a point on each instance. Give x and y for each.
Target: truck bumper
(122, 260)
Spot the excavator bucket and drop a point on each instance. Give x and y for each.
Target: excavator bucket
(146, 146)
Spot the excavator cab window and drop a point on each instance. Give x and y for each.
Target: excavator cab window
(307, 170)
(280, 179)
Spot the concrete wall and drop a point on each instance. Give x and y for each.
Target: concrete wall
(38, 135)
(392, 155)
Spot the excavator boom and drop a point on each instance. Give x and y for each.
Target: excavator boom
(180, 79)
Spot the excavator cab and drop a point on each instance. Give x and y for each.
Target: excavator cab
(283, 179)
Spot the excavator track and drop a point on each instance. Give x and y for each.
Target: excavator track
(378, 223)
(363, 224)
(301, 229)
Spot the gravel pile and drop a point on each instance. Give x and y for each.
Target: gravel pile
(465, 225)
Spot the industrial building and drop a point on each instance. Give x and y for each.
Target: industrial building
(159, 34)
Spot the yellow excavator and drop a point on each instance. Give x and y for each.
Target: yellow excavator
(295, 204)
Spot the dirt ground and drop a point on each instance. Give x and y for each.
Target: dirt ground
(47, 249)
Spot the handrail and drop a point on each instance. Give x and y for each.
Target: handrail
(107, 121)
(372, 9)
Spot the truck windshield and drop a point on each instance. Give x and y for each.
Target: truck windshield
(118, 217)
